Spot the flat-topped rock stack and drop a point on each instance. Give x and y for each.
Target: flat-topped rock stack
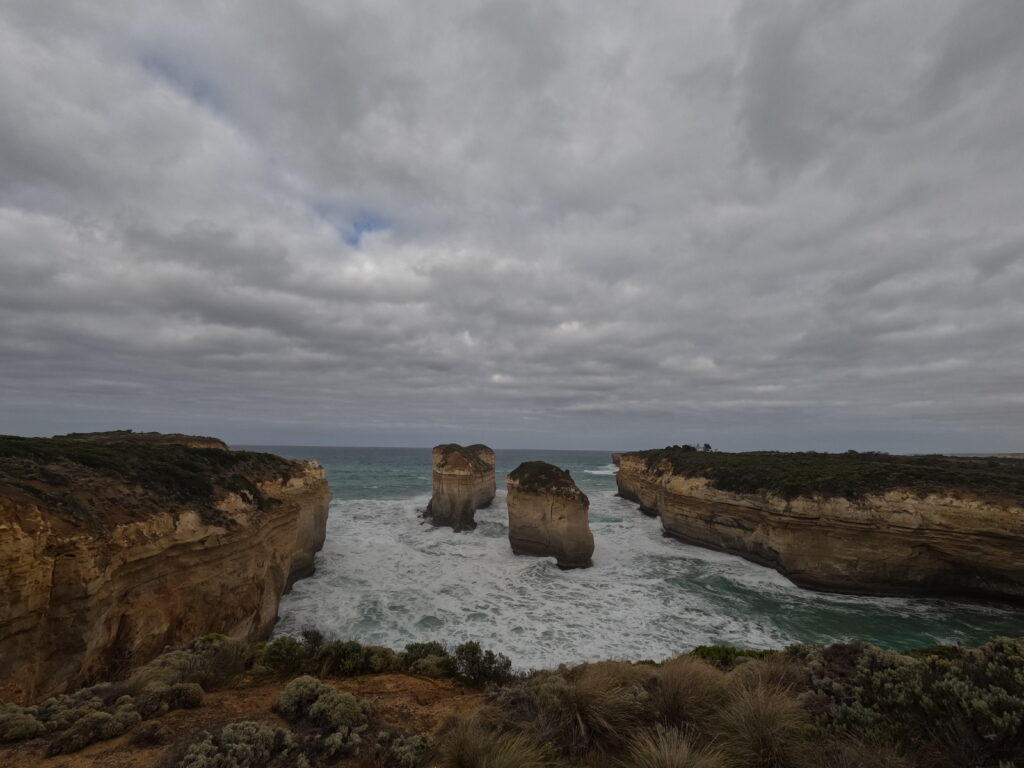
(463, 483)
(548, 515)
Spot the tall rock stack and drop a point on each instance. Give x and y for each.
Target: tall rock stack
(548, 515)
(463, 483)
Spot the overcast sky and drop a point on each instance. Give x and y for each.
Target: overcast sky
(793, 225)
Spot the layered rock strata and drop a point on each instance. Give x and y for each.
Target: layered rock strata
(463, 483)
(112, 549)
(897, 541)
(548, 515)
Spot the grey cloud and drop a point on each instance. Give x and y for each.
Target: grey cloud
(786, 225)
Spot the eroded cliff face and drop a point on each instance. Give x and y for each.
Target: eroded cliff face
(105, 573)
(463, 483)
(892, 543)
(548, 515)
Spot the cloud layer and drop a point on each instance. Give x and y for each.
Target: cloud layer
(786, 225)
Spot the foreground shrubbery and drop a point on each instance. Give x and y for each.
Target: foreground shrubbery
(810, 706)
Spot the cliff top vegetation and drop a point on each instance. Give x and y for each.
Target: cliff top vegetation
(539, 476)
(850, 475)
(87, 478)
(471, 453)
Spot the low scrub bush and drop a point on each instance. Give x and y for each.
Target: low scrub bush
(96, 726)
(340, 717)
(596, 711)
(725, 656)
(687, 691)
(470, 744)
(478, 667)
(243, 745)
(401, 750)
(18, 723)
(967, 702)
(764, 728)
(668, 748)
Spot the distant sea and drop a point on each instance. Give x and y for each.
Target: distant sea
(387, 577)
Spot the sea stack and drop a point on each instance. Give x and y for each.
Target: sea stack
(548, 515)
(463, 483)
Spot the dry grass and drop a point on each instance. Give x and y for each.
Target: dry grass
(688, 691)
(764, 728)
(773, 673)
(669, 748)
(470, 744)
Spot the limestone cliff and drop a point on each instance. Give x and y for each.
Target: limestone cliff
(112, 547)
(548, 515)
(915, 527)
(463, 483)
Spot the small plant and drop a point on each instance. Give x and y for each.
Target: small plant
(18, 723)
(668, 748)
(470, 745)
(285, 656)
(763, 728)
(725, 656)
(688, 691)
(245, 744)
(478, 667)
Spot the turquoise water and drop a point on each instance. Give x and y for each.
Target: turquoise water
(387, 577)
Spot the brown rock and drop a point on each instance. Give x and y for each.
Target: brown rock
(548, 515)
(463, 483)
(100, 569)
(895, 542)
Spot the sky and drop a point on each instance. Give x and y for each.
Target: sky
(591, 224)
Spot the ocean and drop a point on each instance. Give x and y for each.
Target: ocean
(387, 577)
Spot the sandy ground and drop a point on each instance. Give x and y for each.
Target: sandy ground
(412, 704)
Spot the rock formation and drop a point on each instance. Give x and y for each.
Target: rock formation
(548, 515)
(930, 539)
(463, 483)
(117, 545)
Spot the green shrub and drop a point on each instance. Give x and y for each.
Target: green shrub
(725, 656)
(478, 667)
(151, 733)
(668, 748)
(340, 717)
(285, 656)
(432, 666)
(968, 702)
(298, 696)
(380, 659)
(764, 728)
(245, 744)
(410, 751)
(344, 658)
(95, 726)
(415, 651)
(17, 723)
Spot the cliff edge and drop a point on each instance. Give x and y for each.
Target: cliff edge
(115, 545)
(853, 523)
(548, 515)
(463, 483)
